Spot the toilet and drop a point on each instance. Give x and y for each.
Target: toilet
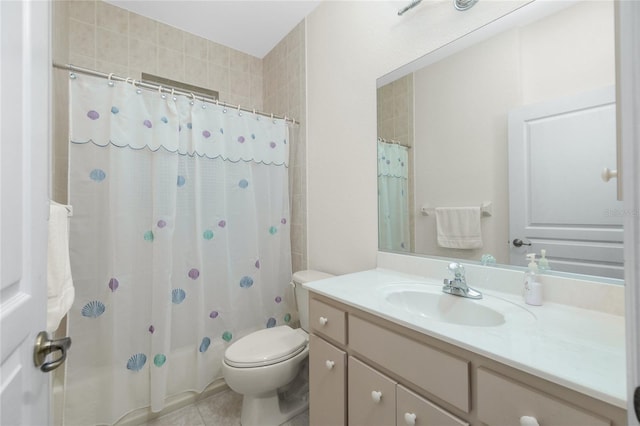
(261, 364)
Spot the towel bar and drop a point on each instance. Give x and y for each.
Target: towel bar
(486, 208)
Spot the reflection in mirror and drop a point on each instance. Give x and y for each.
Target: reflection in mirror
(523, 119)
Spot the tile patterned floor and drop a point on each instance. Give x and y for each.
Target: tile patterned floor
(221, 409)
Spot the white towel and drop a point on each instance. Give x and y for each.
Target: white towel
(459, 227)
(59, 283)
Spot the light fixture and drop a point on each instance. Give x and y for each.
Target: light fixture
(464, 4)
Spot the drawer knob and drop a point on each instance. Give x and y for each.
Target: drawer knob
(528, 421)
(323, 320)
(329, 364)
(410, 418)
(376, 396)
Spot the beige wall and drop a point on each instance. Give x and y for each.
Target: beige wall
(111, 39)
(100, 36)
(463, 145)
(284, 91)
(349, 45)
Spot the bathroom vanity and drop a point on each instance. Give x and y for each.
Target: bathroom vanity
(376, 360)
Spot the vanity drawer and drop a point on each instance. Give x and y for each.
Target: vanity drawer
(327, 379)
(415, 410)
(502, 401)
(372, 396)
(328, 321)
(437, 372)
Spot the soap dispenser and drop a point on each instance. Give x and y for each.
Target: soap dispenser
(532, 288)
(543, 262)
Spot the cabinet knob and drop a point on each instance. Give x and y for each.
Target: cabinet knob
(329, 364)
(323, 320)
(376, 396)
(410, 418)
(607, 174)
(528, 421)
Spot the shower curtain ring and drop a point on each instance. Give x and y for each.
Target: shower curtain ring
(173, 89)
(239, 112)
(193, 99)
(204, 103)
(110, 83)
(138, 90)
(162, 95)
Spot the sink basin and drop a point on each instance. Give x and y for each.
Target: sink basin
(428, 301)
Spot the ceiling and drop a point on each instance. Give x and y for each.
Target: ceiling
(250, 26)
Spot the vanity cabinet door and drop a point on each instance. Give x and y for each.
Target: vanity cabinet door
(372, 396)
(502, 401)
(441, 374)
(414, 410)
(327, 383)
(328, 321)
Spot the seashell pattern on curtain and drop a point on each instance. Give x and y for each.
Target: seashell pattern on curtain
(179, 243)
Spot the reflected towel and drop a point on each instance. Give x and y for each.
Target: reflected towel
(59, 283)
(459, 227)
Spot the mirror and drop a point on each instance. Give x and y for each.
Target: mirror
(513, 125)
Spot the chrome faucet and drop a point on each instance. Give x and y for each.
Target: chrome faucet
(458, 285)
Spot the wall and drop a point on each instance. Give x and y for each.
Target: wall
(463, 145)
(111, 39)
(284, 91)
(349, 45)
(567, 53)
(100, 36)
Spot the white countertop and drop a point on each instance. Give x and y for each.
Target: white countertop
(580, 349)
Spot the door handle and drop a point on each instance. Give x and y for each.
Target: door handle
(636, 402)
(45, 346)
(519, 243)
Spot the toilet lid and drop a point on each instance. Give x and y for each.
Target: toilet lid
(265, 347)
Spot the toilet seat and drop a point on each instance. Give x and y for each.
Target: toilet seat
(266, 347)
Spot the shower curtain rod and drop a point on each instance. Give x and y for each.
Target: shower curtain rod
(393, 142)
(167, 89)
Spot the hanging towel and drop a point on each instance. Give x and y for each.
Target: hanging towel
(59, 283)
(459, 227)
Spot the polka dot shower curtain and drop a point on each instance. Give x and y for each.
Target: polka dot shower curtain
(393, 197)
(179, 243)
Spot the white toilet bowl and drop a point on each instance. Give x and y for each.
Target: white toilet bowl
(261, 363)
(259, 381)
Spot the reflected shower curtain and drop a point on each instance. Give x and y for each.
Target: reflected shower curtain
(179, 243)
(393, 197)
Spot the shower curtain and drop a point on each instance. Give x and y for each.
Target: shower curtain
(393, 197)
(179, 243)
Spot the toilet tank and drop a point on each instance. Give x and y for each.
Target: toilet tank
(302, 294)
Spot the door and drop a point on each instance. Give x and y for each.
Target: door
(628, 75)
(24, 207)
(557, 199)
